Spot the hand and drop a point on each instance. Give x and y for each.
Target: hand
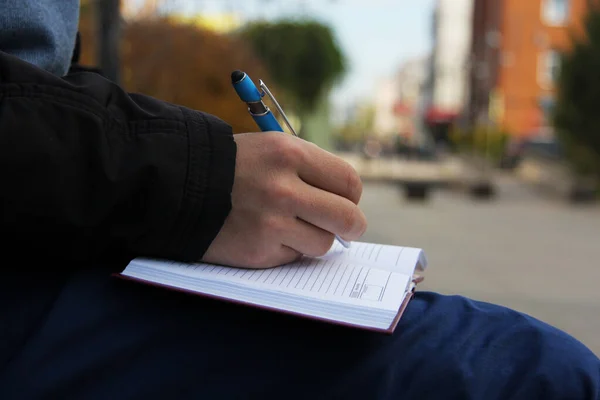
(289, 198)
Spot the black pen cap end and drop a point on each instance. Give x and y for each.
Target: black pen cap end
(237, 76)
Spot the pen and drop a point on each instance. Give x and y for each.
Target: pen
(262, 115)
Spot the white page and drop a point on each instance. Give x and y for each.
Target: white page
(338, 281)
(393, 258)
(325, 279)
(327, 310)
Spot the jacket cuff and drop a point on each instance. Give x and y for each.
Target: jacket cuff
(207, 198)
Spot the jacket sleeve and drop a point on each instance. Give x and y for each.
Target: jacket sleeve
(88, 171)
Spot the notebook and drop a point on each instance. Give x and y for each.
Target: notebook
(367, 286)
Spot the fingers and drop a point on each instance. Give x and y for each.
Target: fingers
(312, 164)
(330, 173)
(330, 212)
(289, 198)
(306, 238)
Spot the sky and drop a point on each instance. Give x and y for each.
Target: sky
(375, 35)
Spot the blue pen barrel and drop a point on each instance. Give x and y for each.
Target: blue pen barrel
(250, 94)
(245, 88)
(267, 122)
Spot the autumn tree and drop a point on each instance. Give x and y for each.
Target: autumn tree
(181, 64)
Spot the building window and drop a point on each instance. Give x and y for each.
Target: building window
(555, 12)
(548, 68)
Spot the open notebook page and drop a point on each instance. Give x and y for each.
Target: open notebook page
(330, 278)
(393, 258)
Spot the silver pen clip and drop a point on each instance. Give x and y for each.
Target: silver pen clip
(266, 91)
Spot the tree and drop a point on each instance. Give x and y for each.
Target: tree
(303, 58)
(576, 118)
(180, 64)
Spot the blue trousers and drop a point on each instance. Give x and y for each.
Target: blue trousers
(107, 339)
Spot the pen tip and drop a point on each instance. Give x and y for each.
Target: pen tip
(237, 76)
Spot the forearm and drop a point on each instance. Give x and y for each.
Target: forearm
(88, 169)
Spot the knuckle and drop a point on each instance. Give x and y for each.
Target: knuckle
(288, 152)
(282, 196)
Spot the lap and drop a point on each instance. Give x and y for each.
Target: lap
(104, 338)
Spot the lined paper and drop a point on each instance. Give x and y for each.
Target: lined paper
(320, 278)
(364, 285)
(392, 258)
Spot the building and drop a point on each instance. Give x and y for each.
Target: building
(411, 80)
(515, 56)
(396, 102)
(447, 85)
(385, 122)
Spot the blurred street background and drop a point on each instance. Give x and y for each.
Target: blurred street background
(473, 123)
(526, 252)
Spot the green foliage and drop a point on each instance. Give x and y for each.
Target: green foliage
(302, 57)
(484, 141)
(576, 117)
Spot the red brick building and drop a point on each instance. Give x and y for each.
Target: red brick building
(515, 58)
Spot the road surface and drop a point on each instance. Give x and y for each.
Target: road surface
(536, 255)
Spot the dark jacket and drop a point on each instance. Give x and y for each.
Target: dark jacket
(88, 170)
(91, 174)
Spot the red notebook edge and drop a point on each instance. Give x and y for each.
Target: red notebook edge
(390, 330)
(401, 310)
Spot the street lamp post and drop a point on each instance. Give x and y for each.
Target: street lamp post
(108, 25)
